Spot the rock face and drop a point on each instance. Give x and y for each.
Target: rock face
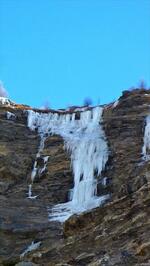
(116, 233)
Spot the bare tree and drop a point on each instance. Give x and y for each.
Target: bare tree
(46, 105)
(87, 101)
(142, 84)
(3, 92)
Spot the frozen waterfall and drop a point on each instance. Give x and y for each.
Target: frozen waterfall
(85, 140)
(146, 145)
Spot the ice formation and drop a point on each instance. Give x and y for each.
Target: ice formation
(42, 170)
(30, 248)
(37, 170)
(85, 140)
(30, 193)
(146, 144)
(10, 115)
(104, 181)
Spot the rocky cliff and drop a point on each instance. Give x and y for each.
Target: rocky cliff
(116, 233)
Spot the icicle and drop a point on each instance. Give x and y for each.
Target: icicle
(30, 193)
(42, 170)
(34, 171)
(104, 181)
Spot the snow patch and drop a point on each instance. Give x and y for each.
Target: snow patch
(6, 101)
(115, 103)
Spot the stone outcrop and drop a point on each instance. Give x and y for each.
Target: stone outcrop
(116, 233)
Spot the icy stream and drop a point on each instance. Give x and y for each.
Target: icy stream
(37, 170)
(85, 140)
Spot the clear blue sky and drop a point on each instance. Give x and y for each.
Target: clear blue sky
(65, 50)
